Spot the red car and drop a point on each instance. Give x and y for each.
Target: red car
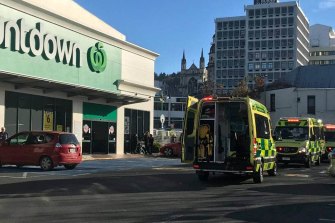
(171, 149)
(39, 148)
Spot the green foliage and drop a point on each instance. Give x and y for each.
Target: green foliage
(156, 147)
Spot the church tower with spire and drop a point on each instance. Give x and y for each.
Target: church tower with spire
(202, 60)
(183, 62)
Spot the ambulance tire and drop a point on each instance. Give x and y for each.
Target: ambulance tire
(273, 172)
(318, 161)
(258, 175)
(308, 163)
(202, 175)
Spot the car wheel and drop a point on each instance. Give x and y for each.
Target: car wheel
(202, 175)
(46, 163)
(258, 175)
(273, 172)
(308, 162)
(168, 152)
(70, 166)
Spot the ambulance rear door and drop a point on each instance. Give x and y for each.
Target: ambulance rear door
(190, 127)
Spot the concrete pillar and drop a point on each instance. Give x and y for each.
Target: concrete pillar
(120, 131)
(2, 107)
(77, 119)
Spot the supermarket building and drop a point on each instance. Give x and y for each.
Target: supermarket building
(63, 69)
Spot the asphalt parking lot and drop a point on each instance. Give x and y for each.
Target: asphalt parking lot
(89, 167)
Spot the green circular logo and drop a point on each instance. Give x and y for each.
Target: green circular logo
(96, 57)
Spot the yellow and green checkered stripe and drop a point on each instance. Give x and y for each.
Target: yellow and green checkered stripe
(266, 150)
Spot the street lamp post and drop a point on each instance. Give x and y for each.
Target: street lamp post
(265, 80)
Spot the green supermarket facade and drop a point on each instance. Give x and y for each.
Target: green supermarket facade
(63, 69)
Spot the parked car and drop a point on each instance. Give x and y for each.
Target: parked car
(331, 168)
(171, 149)
(41, 148)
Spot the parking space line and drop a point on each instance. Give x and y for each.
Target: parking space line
(324, 219)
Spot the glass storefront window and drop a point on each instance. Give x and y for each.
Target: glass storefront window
(25, 112)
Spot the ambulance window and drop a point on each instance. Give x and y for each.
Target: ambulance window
(208, 111)
(317, 132)
(262, 127)
(190, 123)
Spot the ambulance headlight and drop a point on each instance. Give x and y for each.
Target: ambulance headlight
(302, 150)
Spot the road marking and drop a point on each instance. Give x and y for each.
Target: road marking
(81, 174)
(324, 219)
(24, 175)
(172, 168)
(297, 175)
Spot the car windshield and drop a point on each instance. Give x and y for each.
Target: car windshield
(297, 133)
(330, 136)
(68, 139)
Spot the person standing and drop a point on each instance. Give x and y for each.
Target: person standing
(150, 143)
(146, 142)
(3, 134)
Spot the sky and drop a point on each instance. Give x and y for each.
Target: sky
(169, 27)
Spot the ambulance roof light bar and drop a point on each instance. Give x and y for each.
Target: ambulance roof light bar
(293, 120)
(208, 98)
(329, 126)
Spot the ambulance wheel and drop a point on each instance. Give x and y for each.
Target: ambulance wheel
(308, 162)
(202, 175)
(318, 161)
(258, 176)
(273, 172)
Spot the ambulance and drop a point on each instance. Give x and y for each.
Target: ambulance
(299, 140)
(329, 131)
(228, 135)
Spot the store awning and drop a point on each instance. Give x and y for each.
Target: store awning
(48, 86)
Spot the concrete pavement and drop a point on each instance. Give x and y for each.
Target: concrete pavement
(116, 156)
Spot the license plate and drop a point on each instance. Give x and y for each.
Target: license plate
(286, 158)
(72, 150)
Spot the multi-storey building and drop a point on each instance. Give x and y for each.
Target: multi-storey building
(322, 50)
(230, 46)
(272, 39)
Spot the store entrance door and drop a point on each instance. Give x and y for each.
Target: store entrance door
(99, 137)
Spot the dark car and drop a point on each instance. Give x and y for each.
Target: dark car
(41, 148)
(171, 149)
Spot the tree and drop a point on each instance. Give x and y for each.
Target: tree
(241, 90)
(211, 88)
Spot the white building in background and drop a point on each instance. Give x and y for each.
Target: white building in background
(272, 39)
(322, 40)
(311, 95)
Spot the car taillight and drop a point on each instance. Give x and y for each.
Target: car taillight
(255, 146)
(279, 149)
(196, 166)
(249, 168)
(329, 149)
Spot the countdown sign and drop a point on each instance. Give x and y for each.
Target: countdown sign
(48, 120)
